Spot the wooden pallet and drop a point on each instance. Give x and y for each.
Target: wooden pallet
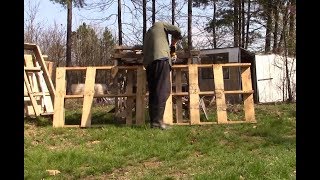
(38, 88)
(88, 95)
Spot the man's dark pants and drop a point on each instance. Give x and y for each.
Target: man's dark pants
(159, 85)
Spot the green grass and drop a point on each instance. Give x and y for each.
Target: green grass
(265, 150)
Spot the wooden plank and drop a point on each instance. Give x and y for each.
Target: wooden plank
(140, 98)
(239, 92)
(34, 103)
(29, 63)
(29, 107)
(88, 97)
(32, 69)
(210, 65)
(206, 93)
(168, 114)
(29, 46)
(100, 96)
(130, 100)
(46, 100)
(179, 117)
(219, 93)
(37, 94)
(193, 95)
(248, 98)
(101, 67)
(49, 65)
(59, 110)
(236, 65)
(203, 107)
(180, 94)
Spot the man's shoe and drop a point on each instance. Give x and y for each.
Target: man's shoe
(162, 126)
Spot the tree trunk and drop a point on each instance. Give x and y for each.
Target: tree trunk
(291, 48)
(243, 24)
(173, 11)
(268, 27)
(119, 23)
(236, 34)
(68, 51)
(214, 25)
(276, 27)
(189, 25)
(153, 11)
(290, 97)
(248, 24)
(284, 30)
(144, 12)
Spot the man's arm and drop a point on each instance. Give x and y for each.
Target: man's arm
(173, 30)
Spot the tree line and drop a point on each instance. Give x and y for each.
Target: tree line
(262, 26)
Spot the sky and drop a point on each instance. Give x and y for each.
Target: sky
(49, 12)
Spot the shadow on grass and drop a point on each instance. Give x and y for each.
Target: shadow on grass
(98, 120)
(41, 121)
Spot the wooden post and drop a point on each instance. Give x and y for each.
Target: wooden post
(248, 97)
(140, 96)
(179, 117)
(59, 111)
(193, 94)
(219, 93)
(129, 101)
(88, 97)
(167, 115)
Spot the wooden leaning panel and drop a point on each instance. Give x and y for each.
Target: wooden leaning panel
(39, 91)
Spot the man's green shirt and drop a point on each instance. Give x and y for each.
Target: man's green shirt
(156, 42)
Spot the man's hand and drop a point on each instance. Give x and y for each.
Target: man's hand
(173, 53)
(172, 49)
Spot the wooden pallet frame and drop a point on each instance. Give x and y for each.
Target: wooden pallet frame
(88, 95)
(37, 83)
(194, 92)
(219, 93)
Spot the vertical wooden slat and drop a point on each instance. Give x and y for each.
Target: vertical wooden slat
(168, 114)
(30, 94)
(129, 101)
(140, 96)
(193, 94)
(49, 65)
(59, 114)
(179, 117)
(219, 93)
(248, 97)
(33, 87)
(88, 97)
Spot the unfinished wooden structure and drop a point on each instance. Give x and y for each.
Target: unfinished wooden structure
(39, 91)
(137, 99)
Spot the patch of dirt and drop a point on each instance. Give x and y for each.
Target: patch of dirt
(129, 172)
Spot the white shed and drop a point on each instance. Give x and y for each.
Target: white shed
(268, 73)
(271, 77)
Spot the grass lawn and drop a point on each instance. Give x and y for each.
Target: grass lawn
(264, 150)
